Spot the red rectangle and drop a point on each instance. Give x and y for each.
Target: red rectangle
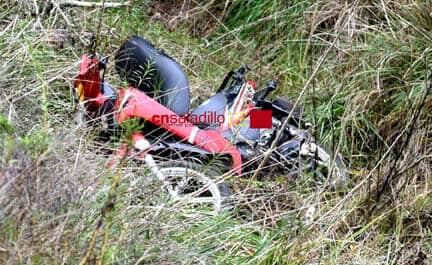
(260, 119)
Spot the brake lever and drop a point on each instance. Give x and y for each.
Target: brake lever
(103, 62)
(236, 75)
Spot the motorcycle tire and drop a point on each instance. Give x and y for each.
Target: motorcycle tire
(192, 183)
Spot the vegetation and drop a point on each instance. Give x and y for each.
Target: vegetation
(360, 68)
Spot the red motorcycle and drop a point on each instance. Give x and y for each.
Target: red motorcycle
(192, 151)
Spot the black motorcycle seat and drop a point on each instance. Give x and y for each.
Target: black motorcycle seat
(154, 72)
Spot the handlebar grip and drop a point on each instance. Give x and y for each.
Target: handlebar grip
(235, 76)
(103, 62)
(270, 87)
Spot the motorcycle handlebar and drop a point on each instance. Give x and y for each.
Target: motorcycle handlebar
(235, 76)
(264, 92)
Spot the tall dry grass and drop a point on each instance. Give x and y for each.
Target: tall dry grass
(369, 99)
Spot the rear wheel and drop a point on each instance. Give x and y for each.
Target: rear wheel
(195, 185)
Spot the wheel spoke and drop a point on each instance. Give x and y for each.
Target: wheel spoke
(190, 187)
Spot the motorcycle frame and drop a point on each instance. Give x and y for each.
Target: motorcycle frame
(133, 103)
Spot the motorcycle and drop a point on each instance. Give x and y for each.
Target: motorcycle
(191, 152)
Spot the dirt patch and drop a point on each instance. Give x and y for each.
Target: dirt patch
(200, 19)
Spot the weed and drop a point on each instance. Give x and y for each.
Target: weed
(360, 101)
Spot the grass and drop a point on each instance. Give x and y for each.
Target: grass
(368, 101)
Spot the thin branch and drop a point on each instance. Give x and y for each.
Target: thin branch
(92, 4)
(285, 124)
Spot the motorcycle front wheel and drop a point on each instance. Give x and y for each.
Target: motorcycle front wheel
(195, 185)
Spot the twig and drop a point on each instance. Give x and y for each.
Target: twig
(92, 4)
(285, 124)
(106, 209)
(393, 173)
